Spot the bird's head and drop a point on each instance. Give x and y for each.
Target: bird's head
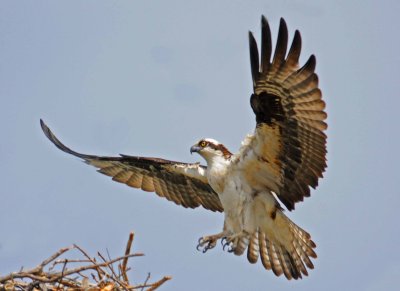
(210, 149)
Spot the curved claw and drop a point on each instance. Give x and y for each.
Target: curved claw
(205, 244)
(226, 244)
(200, 243)
(223, 241)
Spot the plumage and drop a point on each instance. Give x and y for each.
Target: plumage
(279, 162)
(288, 99)
(184, 184)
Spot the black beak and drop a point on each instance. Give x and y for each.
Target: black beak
(195, 149)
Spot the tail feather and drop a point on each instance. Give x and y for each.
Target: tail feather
(284, 262)
(304, 239)
(302, 253)
(292, 272)
(241, 246)
(253, 250)
(299, 263)
(283, 247)
(265, 259)
(276, 265)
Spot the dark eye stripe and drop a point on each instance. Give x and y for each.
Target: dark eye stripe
(222, 148)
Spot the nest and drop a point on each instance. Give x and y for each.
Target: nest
(85, 273)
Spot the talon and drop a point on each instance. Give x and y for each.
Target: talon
(226, 244)
(205, 244)
(200, 244)
(223, 240)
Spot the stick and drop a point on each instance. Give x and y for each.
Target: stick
(125, 261)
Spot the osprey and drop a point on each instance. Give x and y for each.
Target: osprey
(279, 162)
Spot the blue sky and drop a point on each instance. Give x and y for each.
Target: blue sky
(152, 77)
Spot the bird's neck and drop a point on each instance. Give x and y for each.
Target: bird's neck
(217, 168)
(216, 161)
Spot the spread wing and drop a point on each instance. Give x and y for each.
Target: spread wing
(185, 184)
(287, 152)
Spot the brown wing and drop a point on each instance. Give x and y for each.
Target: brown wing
(287, 152)
(184, 184)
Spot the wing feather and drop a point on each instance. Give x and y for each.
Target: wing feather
(280, 49)
(293, 56)
(287, 152)
(122, 176)
(185, 184)
(254, 61)
(266, 45)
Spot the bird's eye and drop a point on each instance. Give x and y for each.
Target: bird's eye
(203, 144)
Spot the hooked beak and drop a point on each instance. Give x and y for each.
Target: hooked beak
(195, 149)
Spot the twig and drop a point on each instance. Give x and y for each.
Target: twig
(155, 285)
(145, 281)
(62, 261)
(114, 277)
(100, 272)
(159, 283)
(94, 266)
(125, 261)
(55, 256)
(62, 273)
(38, 269)
(44, 276)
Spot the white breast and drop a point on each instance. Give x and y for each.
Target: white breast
(233, 194)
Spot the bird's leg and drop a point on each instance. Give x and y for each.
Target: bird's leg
(208, 242)
(232, 240)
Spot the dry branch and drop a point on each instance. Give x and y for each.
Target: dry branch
(57, 274)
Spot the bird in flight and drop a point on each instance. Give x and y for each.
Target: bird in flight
(278, 163)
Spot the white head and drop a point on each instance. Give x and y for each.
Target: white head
(210, 149)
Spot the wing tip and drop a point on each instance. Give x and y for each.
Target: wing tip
(264, 21)
(296, 42)
(251, 36)
(313, 57)
(297, 34)
(312, 60)
(282, 22)
(254, 60)
(50, 135)
(46, 130)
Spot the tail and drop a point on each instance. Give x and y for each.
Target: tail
(283, 247)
